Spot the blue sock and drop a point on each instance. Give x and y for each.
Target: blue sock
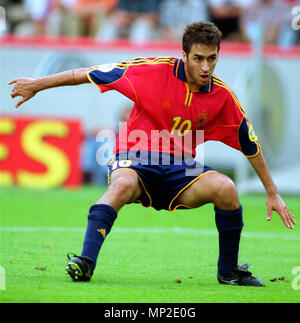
(229, 225)
(100, 220)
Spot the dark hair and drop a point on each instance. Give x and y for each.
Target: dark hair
(201, 32)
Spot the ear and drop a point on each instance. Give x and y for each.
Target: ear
(184, 56)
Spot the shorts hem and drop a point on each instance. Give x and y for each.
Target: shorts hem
(143, 186)
(183, 189)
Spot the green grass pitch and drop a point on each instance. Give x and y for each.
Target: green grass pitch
(149, 256)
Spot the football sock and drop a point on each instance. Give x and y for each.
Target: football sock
(100, 220)
(229, 225)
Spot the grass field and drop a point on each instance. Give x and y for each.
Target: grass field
(149, 256)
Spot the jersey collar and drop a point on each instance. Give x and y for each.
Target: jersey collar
(180, 73)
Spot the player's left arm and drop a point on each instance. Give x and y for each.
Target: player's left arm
(274, 201)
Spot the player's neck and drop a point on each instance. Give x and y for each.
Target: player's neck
(193, 86)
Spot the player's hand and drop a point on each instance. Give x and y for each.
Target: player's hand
(275, 203)
(24, 87)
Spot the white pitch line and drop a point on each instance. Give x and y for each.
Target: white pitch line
(205, 232)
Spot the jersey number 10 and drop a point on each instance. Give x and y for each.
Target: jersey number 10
(182, 127)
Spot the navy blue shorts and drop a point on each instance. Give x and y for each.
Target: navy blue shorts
(163, 177)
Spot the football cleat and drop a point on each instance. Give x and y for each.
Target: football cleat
(240, 276)
(80, 268)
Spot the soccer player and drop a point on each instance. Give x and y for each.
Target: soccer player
(178, 98)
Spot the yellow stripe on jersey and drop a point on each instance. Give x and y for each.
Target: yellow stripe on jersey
(143, 61)
(187, 96)
(222, 84)
(251, 133)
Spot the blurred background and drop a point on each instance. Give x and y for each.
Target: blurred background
(53, 140)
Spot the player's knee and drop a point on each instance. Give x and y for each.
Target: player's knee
(227, 195)
(124, 187)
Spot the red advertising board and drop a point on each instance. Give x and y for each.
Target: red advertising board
(40, 152)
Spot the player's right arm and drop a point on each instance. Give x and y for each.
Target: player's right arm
(26, 88)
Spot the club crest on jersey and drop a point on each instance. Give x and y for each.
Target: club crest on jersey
(201, 119)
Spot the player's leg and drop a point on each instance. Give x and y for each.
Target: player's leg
(124, 188)
(216, 188)
(211, 187)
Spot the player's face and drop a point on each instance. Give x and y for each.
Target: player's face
(199, 64)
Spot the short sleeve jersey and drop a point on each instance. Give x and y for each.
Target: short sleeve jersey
(167, 116)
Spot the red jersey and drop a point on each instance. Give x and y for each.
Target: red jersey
(165, 108)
